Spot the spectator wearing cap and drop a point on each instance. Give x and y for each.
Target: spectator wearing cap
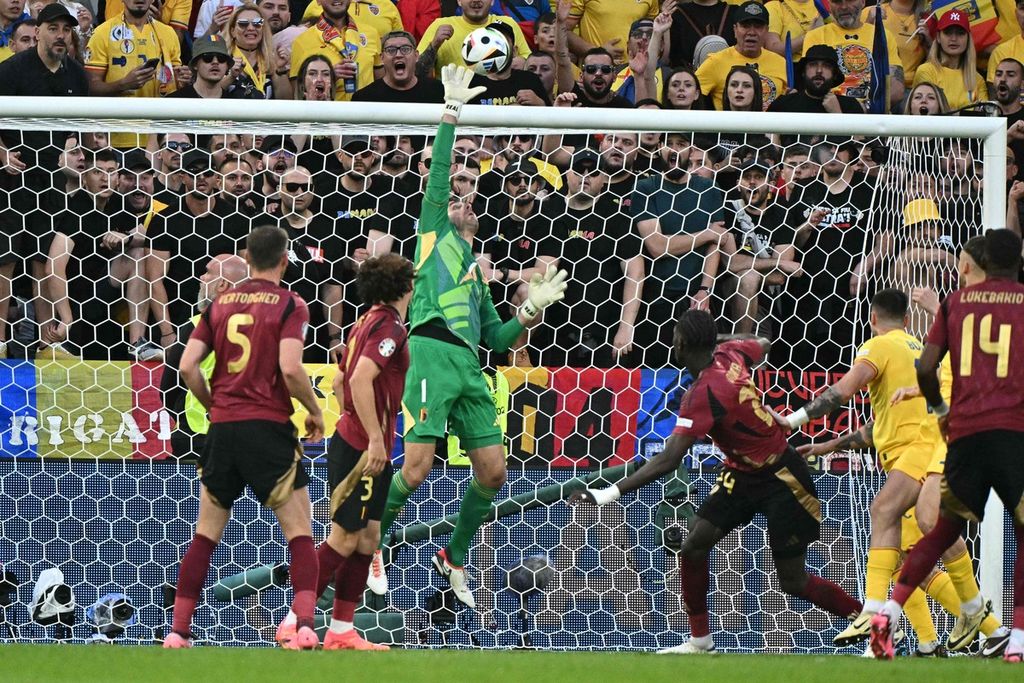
(441, 43)
(760, 247)
(680, 220)
(28, 158)
(23, 37)
(853, 40)
(817, 74)
(203, 226)
(522, 243)
(354, 50)
(11, 13)
(952, 61)
(796, 18)
(279, 155)
(1012, 47)
(259, 71)
(605, 24)
(399, 82)
(634, 86)
(509, 86)
(695, 21)
(133, 55)
(751, 26)
(211, 62)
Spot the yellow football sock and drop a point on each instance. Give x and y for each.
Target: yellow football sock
(882, 562)
(920, 617)
(961, 571)
(942, 590)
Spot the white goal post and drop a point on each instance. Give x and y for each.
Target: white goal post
(142, 115)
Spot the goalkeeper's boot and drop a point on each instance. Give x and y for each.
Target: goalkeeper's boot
(174, 641)
(995, 645)
(285, 632)
(456, 577)
(377, 580)
(966, 627)
(881, 636)
(858, 630)
(688, 648)
(305, 639)
(351, 640)
(938, 651)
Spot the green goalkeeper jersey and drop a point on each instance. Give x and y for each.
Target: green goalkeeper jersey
(449, 286)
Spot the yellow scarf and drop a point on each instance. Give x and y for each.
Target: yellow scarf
(258, 75)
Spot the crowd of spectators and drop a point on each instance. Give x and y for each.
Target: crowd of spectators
(108, 242)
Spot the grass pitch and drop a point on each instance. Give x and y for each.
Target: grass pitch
(83, 663)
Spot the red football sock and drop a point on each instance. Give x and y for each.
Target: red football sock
(304, 570)
(923, 556)
(696, 579)
(830, 597)
(191, 576)
(349, 585)
(1018, 579)
(328, 561)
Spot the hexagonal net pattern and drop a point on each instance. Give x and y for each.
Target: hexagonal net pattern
(111, 252)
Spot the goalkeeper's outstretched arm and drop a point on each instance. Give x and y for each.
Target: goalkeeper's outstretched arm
(543, 290)
(667, 461)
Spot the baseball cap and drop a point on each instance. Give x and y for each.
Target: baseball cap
(355, 143)
(821, 53)
(210, 45)
(273, 143)
(136, 159)
(920, 210)
(584, 161)
(707, 46)
(641, 25)
(196, 160)
(954, 17)
(54, 13)
(751, 10)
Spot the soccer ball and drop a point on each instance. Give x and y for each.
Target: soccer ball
(486, 51)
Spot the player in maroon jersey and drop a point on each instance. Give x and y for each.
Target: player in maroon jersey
(762, 473)
(369, 385)
(981, 326)
(256, 331)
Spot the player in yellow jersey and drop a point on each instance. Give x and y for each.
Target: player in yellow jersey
(904, 436)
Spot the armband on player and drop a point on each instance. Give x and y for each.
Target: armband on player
(797, 419)
(941, 410)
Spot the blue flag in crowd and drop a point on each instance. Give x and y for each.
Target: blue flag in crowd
(790, 79)
(878, 95)
(822, 10)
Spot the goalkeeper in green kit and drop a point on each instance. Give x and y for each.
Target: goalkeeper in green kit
(450, 314)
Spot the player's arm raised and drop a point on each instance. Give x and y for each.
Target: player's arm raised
(299, 385)
(195, 352)
(667, 461)
(364, 401)
(837, 395)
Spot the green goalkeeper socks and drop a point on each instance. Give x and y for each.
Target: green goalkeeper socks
(398, 494)
(476, 504)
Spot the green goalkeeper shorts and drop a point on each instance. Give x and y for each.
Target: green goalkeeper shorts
(446, 392)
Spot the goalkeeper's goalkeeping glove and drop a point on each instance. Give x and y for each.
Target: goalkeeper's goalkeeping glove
(544, 290)
(456, 88)
(596, 496)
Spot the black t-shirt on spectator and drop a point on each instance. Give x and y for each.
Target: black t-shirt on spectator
(801, 102)
(582, 100)
(426, 91)
(400, 204)
(503, 92)
(189, 93)
(691, 22)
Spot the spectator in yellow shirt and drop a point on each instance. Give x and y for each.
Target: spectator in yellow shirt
(952, 63)
(11, 11)
(606, 23)
(354, 52)
(795, 17)
(1011, 48)
(903, 19)
(853, 40)
(441, 44)
(751, 27)
(380, 15)
(23, 37)
(174, 13)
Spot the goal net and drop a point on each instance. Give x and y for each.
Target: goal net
(114, 250)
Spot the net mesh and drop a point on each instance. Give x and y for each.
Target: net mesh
(110, 247)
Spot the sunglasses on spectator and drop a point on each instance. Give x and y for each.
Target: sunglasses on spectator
(296, 187)
(176, 146)
(246, 23)
(594, 68)
(517, 180)
(392, 50)
(204, 172)
(210, 58)
(282, 152)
